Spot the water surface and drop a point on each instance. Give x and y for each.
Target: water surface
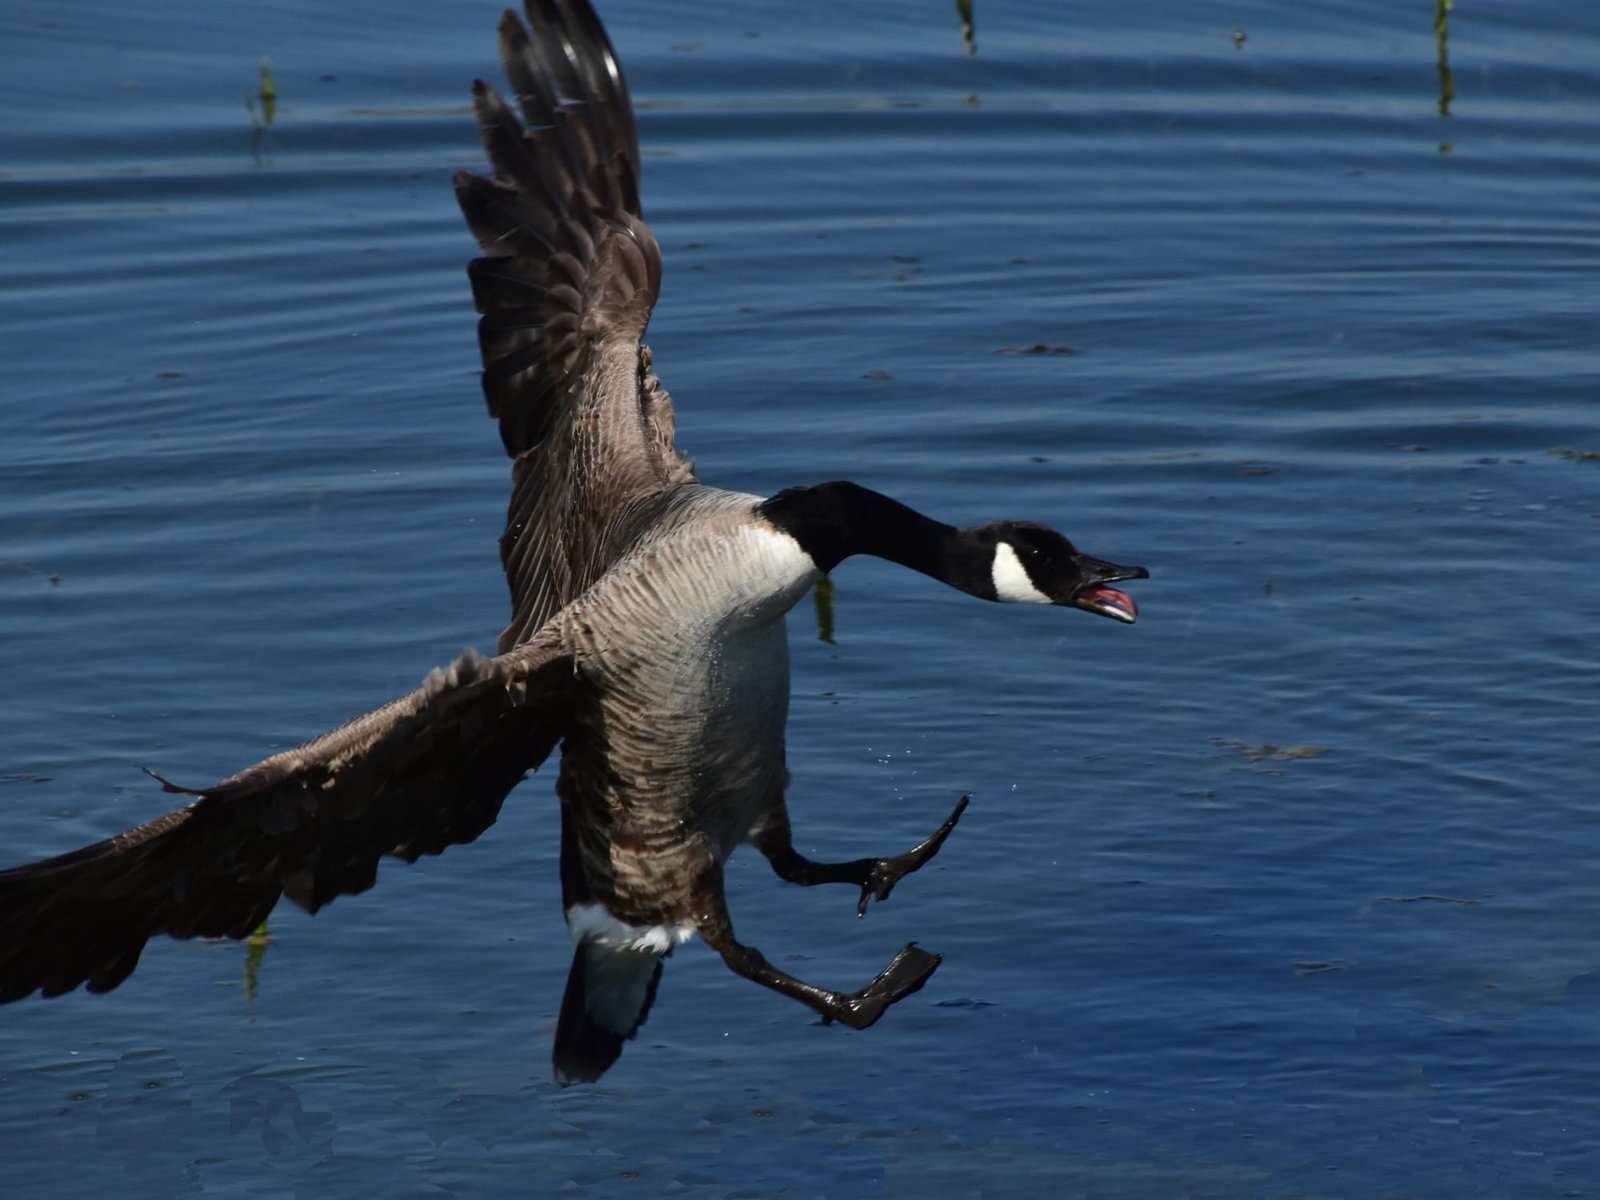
(1289, 890)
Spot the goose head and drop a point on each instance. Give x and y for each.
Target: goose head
(1008, 561)
(1031, 563)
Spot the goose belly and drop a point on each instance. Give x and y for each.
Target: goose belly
(697, 752)
(679, 746)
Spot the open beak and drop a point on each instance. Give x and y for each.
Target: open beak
(1094, 596)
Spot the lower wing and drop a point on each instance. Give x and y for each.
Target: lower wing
(423, 772)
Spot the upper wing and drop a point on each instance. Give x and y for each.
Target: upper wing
(569, 277)
(421, 773)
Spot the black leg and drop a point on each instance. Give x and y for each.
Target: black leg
(905, 974)
(875, 877)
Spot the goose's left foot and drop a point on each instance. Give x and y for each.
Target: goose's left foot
(905, 974)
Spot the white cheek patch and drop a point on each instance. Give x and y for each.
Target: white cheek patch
(1011, 582)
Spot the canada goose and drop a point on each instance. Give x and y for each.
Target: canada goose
(647, 633)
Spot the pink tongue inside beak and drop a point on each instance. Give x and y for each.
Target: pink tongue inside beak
(1111, 602)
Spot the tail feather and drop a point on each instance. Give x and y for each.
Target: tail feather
(609, 995)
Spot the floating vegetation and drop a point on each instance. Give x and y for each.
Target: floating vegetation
(1571, 455)
(968, 30)
(255, 951)
(1447, 79)
(822, 597)
(268, 92)
(1036, 348)
(1268, 752)
(22, 568)
(261, 106)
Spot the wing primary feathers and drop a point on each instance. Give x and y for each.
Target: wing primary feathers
(565, 287)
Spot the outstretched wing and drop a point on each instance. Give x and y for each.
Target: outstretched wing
(421, 773)
(569, 277)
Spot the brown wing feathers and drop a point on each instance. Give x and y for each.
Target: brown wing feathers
(569, 275)
(571, 58)
(422, 773)
(567, 184)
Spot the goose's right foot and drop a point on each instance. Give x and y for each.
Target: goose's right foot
(875, 877)
(883, 874)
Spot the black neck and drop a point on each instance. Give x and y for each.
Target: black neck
(832, 521)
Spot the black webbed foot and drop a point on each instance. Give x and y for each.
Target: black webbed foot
(886, 872)
(905, 974)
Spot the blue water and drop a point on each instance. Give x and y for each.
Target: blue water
(1292, 889)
